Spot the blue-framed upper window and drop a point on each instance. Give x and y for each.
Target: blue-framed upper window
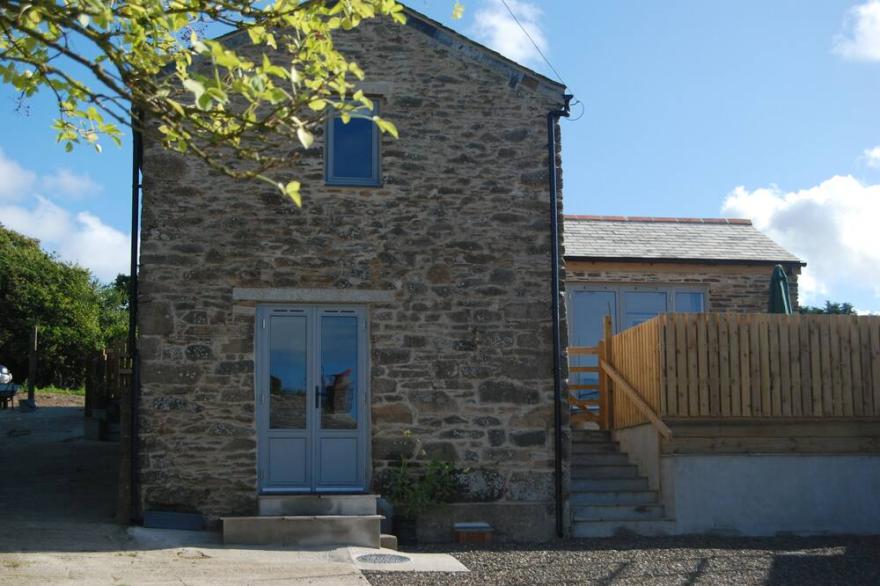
(352, 153)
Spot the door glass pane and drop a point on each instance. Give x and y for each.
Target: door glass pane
(589, 309)
(639, 306)
(287, 372)
(689, 302)
(339, 372)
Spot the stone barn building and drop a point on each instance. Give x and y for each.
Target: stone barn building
(292, 352)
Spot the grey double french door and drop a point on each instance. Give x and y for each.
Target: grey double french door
(311, 394)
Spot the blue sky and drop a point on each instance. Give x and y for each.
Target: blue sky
(763, 109)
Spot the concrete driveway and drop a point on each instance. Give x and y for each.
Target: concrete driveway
(57, 503)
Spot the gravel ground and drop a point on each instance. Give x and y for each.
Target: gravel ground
(670, 560)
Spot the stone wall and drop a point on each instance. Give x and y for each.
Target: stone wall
(458, 233)
(740, 288)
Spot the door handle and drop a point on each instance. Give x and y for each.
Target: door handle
(317, 397)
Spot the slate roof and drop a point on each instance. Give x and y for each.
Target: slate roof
(670, 239)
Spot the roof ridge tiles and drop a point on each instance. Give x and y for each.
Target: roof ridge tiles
(659, 219)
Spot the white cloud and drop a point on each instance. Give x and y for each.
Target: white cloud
(831, 226)
(860, 39)
(79, 237)
(872, 157)
(15, 180)
(66, 182)
(494, 26)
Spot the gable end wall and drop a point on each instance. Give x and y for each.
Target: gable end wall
(457, 237)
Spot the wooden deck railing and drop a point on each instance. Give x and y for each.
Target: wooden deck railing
(761, 365)
(738, 366)
(633, 364)
(584, 411)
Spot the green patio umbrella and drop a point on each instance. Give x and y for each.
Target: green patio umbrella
(780, 297)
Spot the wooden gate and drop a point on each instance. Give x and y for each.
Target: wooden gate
(594, 410)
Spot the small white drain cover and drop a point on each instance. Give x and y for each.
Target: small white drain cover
(382, 558)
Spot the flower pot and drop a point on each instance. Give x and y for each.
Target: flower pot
(405, 530)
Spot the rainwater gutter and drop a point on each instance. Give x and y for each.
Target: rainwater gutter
(552, 119)
(136, 185)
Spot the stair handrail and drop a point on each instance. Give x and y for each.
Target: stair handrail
(637, 400)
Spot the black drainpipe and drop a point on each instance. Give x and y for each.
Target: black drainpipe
(552, 118)
(136, 163)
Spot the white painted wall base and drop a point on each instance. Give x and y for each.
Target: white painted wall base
(760, 495)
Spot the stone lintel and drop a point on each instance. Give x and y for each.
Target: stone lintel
(269, 295)
(385, 89)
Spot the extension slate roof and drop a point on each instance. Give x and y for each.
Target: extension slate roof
(670, 239)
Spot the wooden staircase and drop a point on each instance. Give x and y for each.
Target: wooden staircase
(608, 496)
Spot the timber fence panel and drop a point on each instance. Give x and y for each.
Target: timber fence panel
(872, 333)
(858, 384)
(703, 364)
(637, 358)
(752, 365)
(749, 365)
(735, 384)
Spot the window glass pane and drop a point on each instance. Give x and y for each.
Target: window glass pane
(339, 372)
(689, 302)
(588, 312)
(287, 372)
(639, 306)
(352, 149)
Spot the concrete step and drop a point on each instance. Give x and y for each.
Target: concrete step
(618, 512)
(335, 530)
(612, 528)
(617, 471)
(590, 435)
(305, 505)
(609, 484)
(600, 459)
(607, 497)
(578, 448)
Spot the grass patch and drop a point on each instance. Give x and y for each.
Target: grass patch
(53, 390)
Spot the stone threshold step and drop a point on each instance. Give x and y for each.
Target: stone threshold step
(311, 530)
(294, 505)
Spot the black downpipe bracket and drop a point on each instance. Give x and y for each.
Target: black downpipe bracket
(136, 164)
(552, 118)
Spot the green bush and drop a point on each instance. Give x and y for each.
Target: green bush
(414, 487)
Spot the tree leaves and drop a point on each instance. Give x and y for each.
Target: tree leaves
(103, 61)
(292, 191)
(76, 314)
(385, 126)
(305, 137)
